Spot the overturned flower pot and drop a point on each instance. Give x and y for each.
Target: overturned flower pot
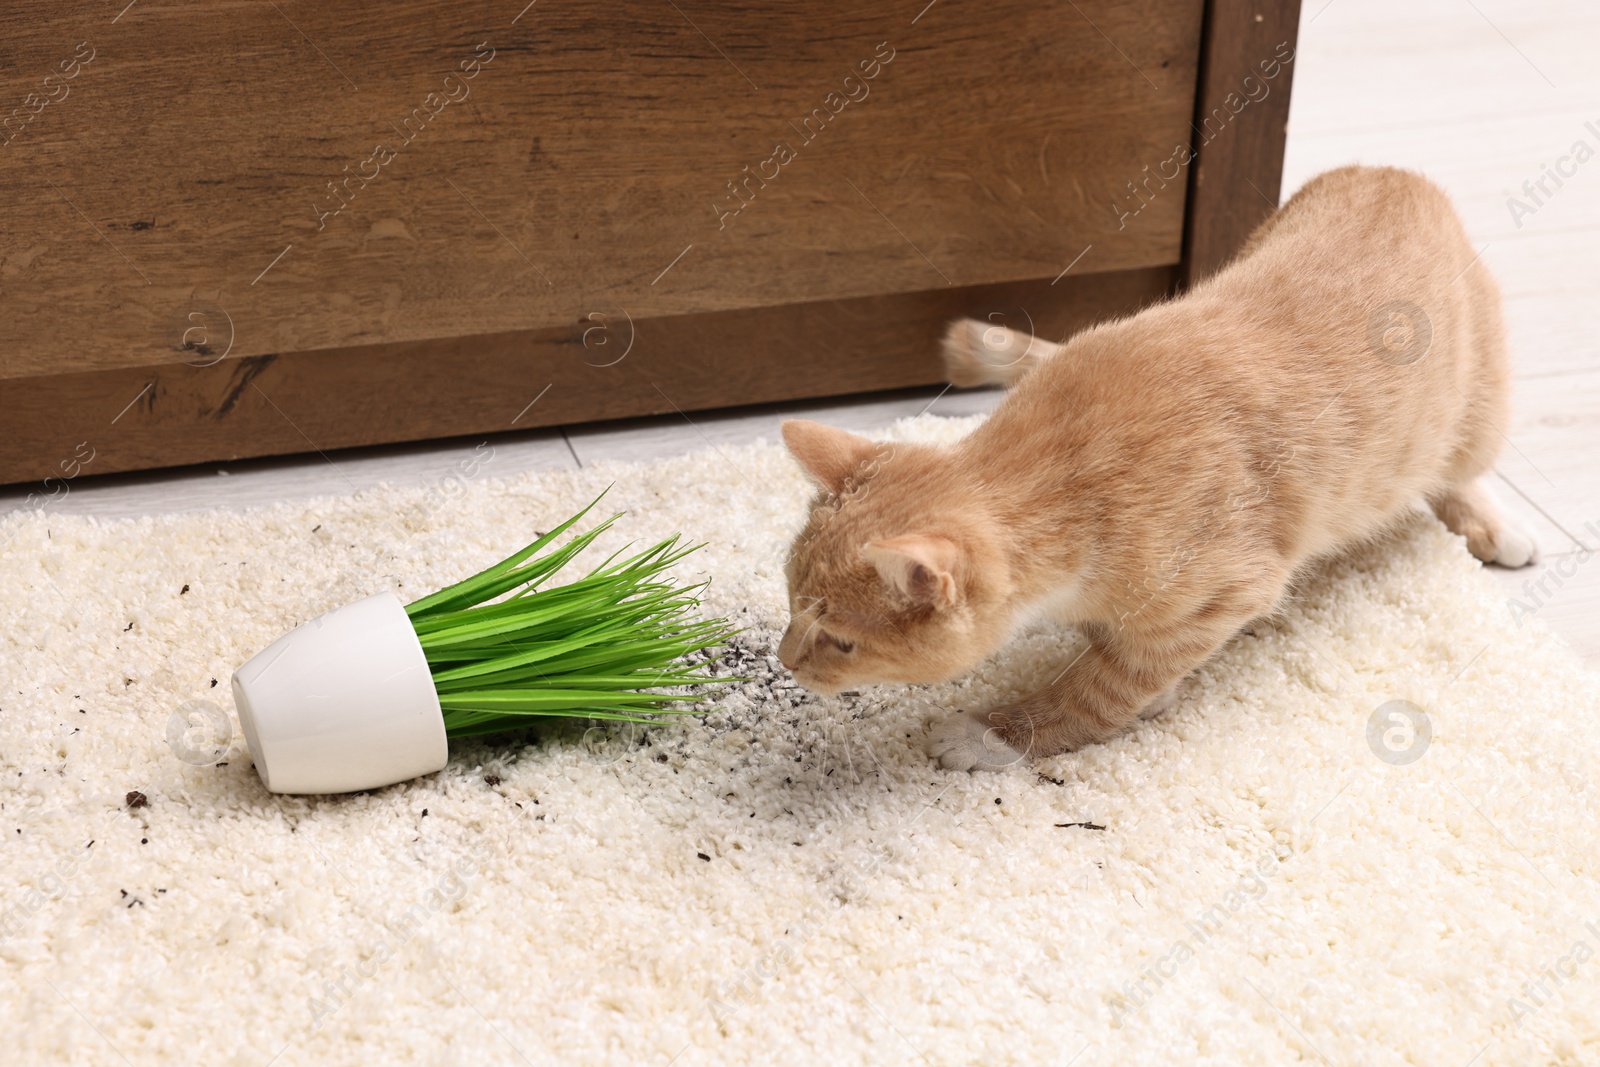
(343, 702)
(369, 694)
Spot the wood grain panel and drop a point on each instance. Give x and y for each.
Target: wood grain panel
(187, 166)
(168, 414)
(1240, 123)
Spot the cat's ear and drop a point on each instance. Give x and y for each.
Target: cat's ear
(920, 567)
(827, 453)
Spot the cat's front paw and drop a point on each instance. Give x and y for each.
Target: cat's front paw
(968, 743)
(1161, 704)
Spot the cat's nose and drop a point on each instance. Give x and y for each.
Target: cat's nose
(787, 650)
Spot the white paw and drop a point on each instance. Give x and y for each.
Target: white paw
(967, 743)
(1160, 704)
(1514, 545)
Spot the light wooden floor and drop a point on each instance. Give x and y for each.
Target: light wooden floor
(1483, 95)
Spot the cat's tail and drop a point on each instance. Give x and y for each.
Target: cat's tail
(982, 353)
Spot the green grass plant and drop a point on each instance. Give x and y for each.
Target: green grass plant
(507, 648)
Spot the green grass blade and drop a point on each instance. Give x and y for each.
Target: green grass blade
(504, 652)
(471, 590)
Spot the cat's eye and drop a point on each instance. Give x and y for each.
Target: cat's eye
(839, 643)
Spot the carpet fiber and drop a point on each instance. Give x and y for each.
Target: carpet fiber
(1286, 867)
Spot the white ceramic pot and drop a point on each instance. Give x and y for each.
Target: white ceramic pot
(342, 702)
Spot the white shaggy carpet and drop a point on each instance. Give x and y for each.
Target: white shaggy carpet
(1241, 881)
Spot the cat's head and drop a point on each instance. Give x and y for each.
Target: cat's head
(898, 575)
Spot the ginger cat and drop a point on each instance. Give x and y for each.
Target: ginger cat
(1158, 481)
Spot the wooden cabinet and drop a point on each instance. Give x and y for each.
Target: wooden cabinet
(233, 230)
